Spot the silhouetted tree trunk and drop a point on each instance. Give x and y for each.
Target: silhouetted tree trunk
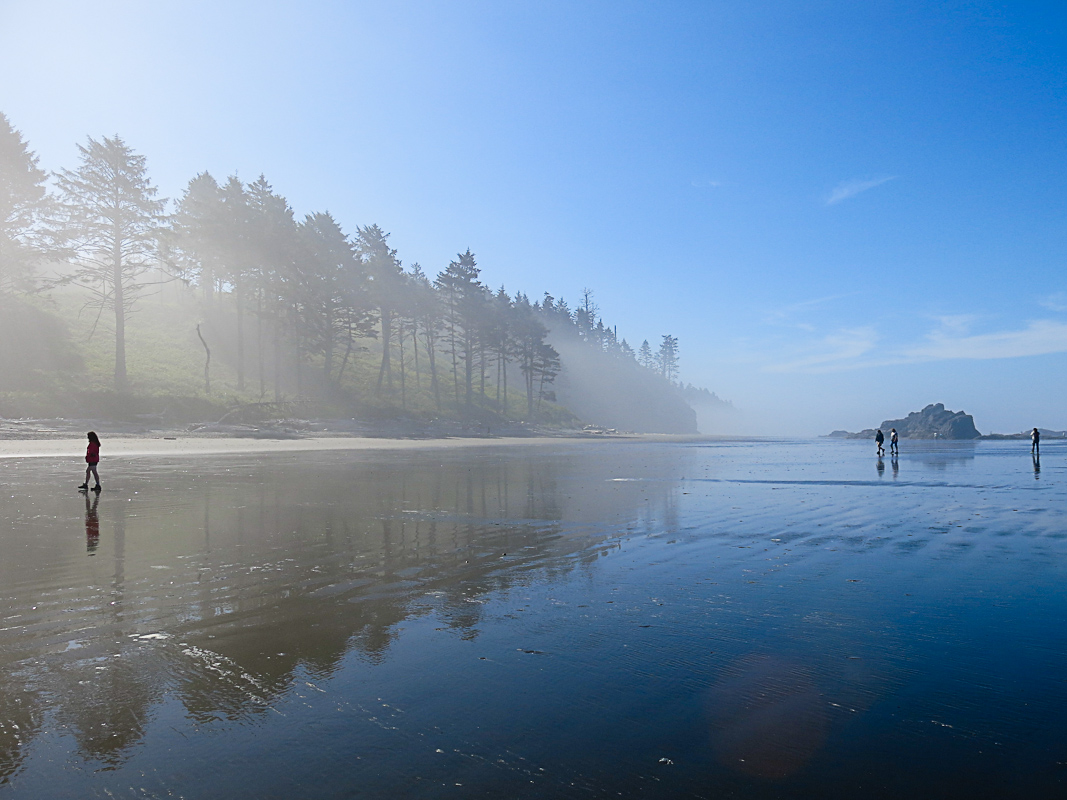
(240, 339)
(207, 362)
(529, 375)
(481, 363)
(386, 368)
(348, 352)
(327, 355)
(468, 374)
(277, 348)
(454, 349)
(120, 314)
(299, 366)
(259, 343)
(415, 353)
(403, 383)
(434, 386)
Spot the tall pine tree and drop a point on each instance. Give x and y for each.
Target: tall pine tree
(110, 219)
(23, 202)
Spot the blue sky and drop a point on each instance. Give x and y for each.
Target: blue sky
(845, 211)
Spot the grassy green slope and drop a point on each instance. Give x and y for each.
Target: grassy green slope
(69, 369)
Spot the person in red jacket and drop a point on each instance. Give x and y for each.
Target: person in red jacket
(92, 458)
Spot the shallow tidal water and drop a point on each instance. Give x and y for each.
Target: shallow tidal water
(566, 619)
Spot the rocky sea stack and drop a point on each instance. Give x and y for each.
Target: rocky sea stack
(933, 422)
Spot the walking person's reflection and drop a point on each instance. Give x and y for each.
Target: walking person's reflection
(1037, 465)
(881, 467)
(92, 524)
(895, 462)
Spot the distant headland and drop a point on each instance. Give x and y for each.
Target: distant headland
(936, 422)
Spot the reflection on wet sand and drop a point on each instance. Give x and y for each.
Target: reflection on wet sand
(92, 523)
(270, 568)
(942, 455)
(768, 717)
(543, 622)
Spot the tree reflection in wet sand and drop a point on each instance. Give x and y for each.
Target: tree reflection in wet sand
(563, 619)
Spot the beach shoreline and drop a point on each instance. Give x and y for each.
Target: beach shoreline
(186, 444)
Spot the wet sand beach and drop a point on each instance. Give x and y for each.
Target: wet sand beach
(533, 618)
(128, 446)
(153, 444)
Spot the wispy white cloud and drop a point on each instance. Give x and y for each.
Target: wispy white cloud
(1055, 302)
(1040, 337)
(838, 351)
(862, 348)
(957, 324)
(785, 315)
(848, 189)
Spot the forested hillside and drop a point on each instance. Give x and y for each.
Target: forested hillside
(114, 301)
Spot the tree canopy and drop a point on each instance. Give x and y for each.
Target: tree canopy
(299, 304)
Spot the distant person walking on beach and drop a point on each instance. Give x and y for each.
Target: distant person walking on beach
(878, 439)
(1035, 441)
(893, 448)
(92, 458)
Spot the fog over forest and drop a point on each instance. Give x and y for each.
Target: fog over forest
(224, 301)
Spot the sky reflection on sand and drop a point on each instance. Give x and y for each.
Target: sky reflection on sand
(773, 618)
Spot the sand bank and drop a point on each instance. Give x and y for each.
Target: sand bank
(200, 445)
(181, 446)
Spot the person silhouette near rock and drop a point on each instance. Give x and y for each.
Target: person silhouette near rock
(894, 449)
(879, 438)
(1035, 441)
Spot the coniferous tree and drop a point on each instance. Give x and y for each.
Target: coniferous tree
(429, 317)
(585, 315)
(546, 367)
(447, 285)
(530, 350)
(405, 321)
(333, 298)
(111, 218)
(236, 248)
(644, 355)
(501, 340)
(667, 357)
(464, 298)
(275, 244)
(194, 233)
(386, 278)
(23, 202)
(412, 280)
(471, 297)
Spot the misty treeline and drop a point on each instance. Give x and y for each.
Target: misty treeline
(302, 296)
